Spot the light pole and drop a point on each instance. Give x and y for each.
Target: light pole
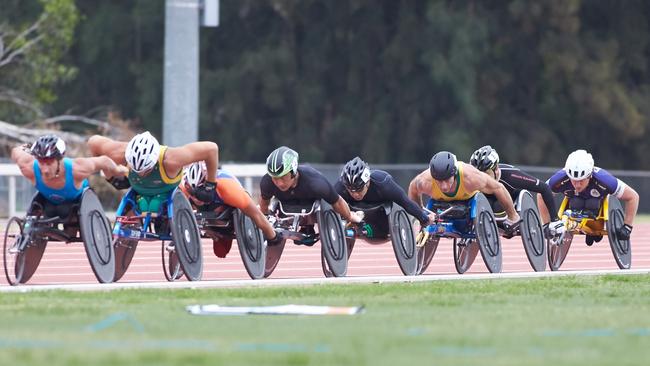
(181, 67)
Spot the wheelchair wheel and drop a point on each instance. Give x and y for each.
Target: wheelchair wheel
(334, 248)
(186, 236)
(14, 260)
(273, 254)
(465, 251)
(532, 233)
(487, 234)
(96, 235)
(557, 252)
(426, 252)
(403, 240)
(252, 247)
(170, 263)
(621, 248)
(124, 250)
(349, 241)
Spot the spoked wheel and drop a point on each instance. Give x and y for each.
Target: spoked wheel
(170, 263)
(334, 249)
(488, 234)
(558, 250)
(124, 251)
(532, 233)
(426, 251)
(273, 254)
(465, 251)
(186, 236)
(621, 248)
(14, 260)
(403, 240)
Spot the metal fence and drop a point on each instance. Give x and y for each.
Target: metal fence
(14, 186)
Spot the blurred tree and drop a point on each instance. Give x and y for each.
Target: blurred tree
(391, 81)
(33, 42)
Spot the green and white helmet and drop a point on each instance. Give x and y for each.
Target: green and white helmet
(281, 162)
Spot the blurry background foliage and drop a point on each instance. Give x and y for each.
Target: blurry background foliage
(391, 81)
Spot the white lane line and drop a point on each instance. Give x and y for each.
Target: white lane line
(314, 281)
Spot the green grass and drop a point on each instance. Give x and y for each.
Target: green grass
(552, 321)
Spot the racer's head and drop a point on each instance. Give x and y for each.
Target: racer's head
(49, 150)
(356, 178)
(578, 167)
(443, 170)
(486, 160)
(194, 175)
(282, 166)
(142, 153)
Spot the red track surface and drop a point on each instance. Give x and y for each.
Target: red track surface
(67, 263)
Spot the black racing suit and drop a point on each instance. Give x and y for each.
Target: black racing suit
(515, 181)
(382, 189)
(312, 185)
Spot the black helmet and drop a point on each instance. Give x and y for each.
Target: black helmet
(485, 158)
(443, 165)
(281, 162)
(355, 174)
(48, 147)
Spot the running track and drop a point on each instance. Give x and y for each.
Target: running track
(67, 264)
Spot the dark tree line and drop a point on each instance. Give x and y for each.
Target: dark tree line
(391, 81)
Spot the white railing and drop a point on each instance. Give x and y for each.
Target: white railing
(11, 171)
(245, 172)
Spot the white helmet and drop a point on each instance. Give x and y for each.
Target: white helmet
(195, 174)
(142, 152)
(579, 165)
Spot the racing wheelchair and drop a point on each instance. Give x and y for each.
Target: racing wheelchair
(472, 227)
(81, 221)
(174, 224)
(530, 229)
(297, 220)
(607, 221)
(400, 232)
(224, 222)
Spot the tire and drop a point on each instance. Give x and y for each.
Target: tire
(621, 248)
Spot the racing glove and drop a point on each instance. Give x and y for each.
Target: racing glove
(554, 229)
(119, 182)
(206, 192)
(279, 236)
(624, 232)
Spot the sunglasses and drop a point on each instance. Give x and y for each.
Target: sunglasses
(46, 160)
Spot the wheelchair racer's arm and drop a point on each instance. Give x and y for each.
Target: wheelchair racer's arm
(178, 157)
(84, 167)
(395, 193)
(341, 207)
(421, 184)
(517, 179)
(631, 199)
(477, 180)
(556, 184)
(259, 219)
(25, 162)
(100, 145)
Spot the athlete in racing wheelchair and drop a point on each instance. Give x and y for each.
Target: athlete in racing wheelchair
(154, 209)
(231, 215)
(591, 207)
(463, 213)
(385, 206)
(303, 198)
(63, 209)
(521, 187)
